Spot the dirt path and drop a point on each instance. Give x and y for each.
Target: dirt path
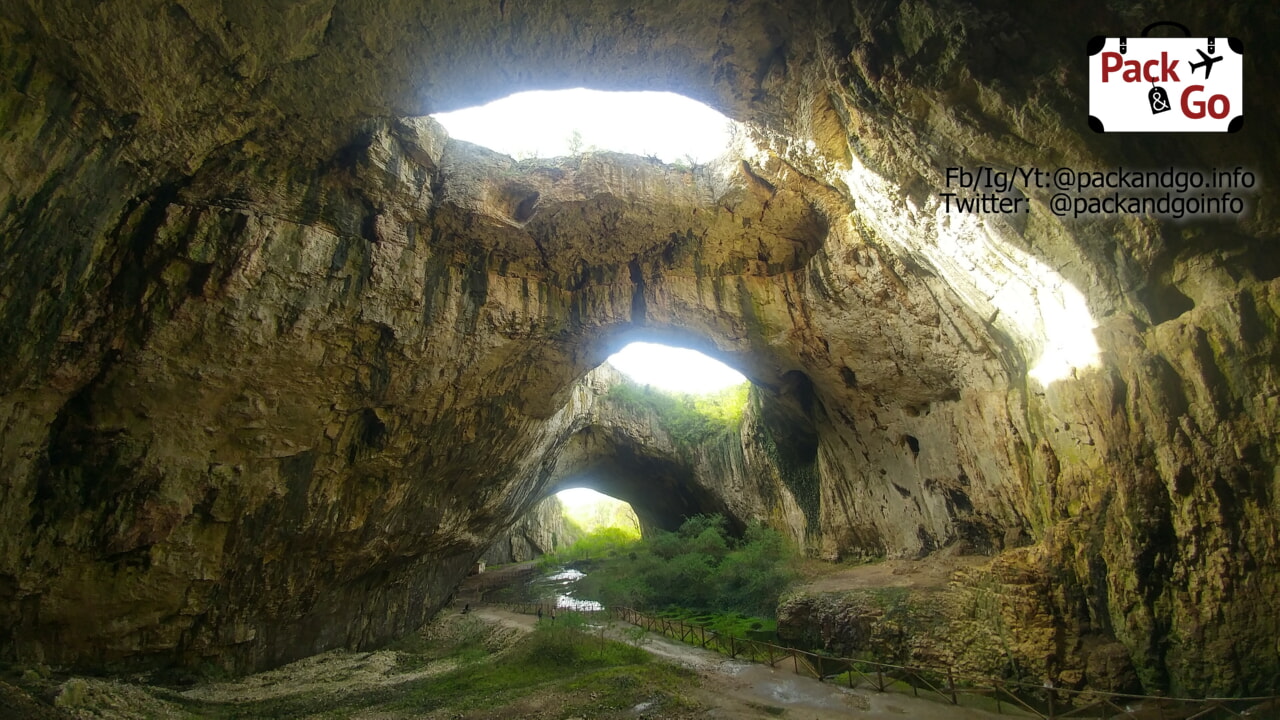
(733, 689)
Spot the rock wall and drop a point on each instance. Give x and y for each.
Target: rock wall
(1001, 618)
(540, 531)
(279, 362)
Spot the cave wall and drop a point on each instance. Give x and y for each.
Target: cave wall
(279, 363)
(541, 531)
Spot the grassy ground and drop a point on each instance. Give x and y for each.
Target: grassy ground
(459, 667)
(730, 623)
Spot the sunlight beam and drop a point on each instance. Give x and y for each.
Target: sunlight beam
(1024, 297)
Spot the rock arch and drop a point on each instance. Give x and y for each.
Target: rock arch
(282, 359)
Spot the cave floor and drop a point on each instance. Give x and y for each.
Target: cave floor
(932, 572)
(389, 684)
(735, 689)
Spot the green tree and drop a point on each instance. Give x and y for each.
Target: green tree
(699, 567)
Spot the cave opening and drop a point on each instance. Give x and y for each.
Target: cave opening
(673, 368)
(557, 123)
(586, 510)
(658, 412)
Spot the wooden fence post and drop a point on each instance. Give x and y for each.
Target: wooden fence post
(951, 685)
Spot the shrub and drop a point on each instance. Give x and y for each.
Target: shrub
(698, 567)
(598, 544)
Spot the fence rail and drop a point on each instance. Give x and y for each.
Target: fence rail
(943, 684)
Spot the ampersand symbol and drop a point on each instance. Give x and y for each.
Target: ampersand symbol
(1159, 100)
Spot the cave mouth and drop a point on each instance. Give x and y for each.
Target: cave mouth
(589, 510)
(674, 369)
(556, 123)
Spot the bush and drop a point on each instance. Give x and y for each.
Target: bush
(567, 642)
(599, 544)
(698, 567)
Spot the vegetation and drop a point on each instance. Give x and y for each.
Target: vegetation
(605, 512)
(699, 567)
(691, 419)
(600, 544)
(727, 623)
(558, 664)
(553, 652)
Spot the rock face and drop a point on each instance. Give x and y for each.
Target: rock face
(990, 620)
(540, 531)
(279, 361)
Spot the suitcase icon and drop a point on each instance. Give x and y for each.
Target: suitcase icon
(1156, 84)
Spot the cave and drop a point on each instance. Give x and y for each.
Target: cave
(280, 360)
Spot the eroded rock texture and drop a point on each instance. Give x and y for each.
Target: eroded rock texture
(539, 532)
(279, 362)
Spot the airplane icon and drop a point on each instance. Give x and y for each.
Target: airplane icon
(1206, 62)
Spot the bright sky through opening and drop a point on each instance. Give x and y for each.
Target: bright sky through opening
(675, 369)
(593, 511)
(581, 497)
(540, 123)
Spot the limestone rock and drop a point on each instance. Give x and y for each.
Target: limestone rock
(540, 531)
(278, 361)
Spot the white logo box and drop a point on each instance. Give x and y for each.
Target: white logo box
(1143, 84)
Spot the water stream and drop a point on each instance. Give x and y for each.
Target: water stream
(556, 586)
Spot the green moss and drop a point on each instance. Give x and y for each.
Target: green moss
(799, 476)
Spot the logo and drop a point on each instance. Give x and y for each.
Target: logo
(1149, 84)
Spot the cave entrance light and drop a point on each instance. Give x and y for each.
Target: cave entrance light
(674, 369)
(591, 510)
(553, 123)
(1024, 297)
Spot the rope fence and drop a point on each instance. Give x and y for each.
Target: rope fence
(940, 684)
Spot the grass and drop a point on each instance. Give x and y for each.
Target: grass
(556, 665)
(727, 623)
(553, 658)
(469, 640)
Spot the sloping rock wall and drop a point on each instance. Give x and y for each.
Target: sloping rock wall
(540, 531)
